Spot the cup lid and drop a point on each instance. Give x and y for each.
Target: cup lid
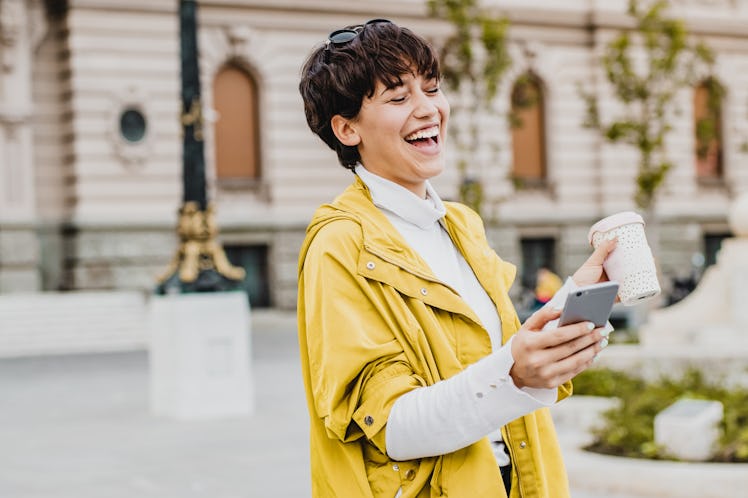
(613, 221)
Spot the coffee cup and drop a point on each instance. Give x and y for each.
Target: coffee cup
(631, 263)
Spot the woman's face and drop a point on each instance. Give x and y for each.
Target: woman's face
(401, 132)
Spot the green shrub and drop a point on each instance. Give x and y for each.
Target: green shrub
(628, 430)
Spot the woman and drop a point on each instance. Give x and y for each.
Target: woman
(420, 381)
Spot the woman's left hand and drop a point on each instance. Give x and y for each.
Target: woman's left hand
(592, 272)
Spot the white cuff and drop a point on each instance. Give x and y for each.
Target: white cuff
(457, 412)
(486, 376)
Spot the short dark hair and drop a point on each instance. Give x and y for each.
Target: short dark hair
(335, 79)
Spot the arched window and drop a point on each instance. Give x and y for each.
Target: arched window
(236, 129)
(528, 131)
(707, 117)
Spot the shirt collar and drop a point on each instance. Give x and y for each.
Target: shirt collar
(402, 202)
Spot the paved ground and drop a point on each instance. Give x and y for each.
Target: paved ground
(79, 426)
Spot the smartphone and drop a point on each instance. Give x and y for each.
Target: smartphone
(592, 303)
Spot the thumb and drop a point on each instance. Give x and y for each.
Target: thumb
(598, 255)
(537, 320)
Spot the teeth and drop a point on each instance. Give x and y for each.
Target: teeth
(427, 133)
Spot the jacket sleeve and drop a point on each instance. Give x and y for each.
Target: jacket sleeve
(357, 367)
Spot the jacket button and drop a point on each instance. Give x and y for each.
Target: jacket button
(368, 420)
(523, 445)
(424, 291)
(410, 474)
(396, 467)
(370, 265)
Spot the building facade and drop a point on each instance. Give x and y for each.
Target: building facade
(90, 145)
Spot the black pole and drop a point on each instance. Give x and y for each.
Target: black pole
(200, 264)
(193, 157)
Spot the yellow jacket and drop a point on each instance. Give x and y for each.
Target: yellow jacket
(375, 323)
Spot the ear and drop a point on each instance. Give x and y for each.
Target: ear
(345, 131)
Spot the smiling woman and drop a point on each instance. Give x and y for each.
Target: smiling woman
(419, 380)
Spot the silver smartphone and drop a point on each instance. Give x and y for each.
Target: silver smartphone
(592, 303)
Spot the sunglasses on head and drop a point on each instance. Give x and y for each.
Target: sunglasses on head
(340, 37)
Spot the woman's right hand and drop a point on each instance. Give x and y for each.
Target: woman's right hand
(548, 358)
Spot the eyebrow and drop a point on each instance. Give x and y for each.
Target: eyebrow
(402, 83)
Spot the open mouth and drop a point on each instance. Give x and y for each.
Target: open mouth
(427, 137)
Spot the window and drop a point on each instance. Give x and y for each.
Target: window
(236, 129)
(132, 125)
(528, 131)
(707, 115)
(536, 253)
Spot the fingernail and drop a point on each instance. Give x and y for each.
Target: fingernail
(605, 333)
(604, 343)
(590, 326)
(594, 360)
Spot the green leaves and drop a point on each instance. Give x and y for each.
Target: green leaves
(646, 67)
(708, 126)
(629, 428)
(471, 193)
(476, 53)
(474, 59)
(620, 130)
(649, 180)
(493, 38)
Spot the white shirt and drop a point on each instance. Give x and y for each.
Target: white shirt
(477, 402)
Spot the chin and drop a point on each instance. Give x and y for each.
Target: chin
(433, 170)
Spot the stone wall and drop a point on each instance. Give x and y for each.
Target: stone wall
(19, 248)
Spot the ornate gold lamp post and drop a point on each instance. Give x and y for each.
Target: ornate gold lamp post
(200, 264)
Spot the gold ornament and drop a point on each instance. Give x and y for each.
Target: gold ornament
(198, 250)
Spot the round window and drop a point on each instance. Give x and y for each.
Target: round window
(132, 125)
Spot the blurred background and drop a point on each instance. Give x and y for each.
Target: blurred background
(560, 118)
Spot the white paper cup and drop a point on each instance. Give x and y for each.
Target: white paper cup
(631, 263)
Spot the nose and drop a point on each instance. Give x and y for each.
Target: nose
(425, 106)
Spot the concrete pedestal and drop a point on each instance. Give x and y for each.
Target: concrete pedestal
(689, 428)
(200, 355)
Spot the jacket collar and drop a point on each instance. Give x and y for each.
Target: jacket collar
(381, 238)
(403, 203)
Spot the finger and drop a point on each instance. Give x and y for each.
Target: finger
(571, 366)
(603, 249)
(537, 320)
(565, 341)
(577, 344)
(584, 359)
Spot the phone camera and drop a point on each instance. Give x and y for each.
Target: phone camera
(579, 294)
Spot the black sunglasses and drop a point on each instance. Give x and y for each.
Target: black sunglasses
(340, 37)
